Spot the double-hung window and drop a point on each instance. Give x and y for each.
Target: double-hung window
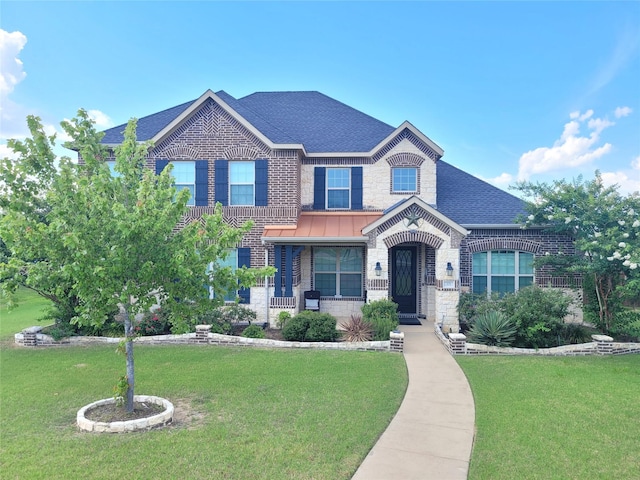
(242, 180)
(236, 258)
(502, 271)
(338, 188)
(404, 179)
(338, 271)
(184, 175)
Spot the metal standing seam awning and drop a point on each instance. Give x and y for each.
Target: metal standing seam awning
(313, 228)
(322, 227)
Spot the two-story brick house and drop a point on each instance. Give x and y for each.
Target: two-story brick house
(343, 204)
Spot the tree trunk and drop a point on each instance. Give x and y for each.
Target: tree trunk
(128, 331)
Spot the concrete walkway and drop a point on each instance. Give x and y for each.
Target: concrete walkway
(432, 434)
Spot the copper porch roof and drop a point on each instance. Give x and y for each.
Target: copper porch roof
(322, 226)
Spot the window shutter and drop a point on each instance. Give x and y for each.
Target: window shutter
(160, 165)
(202, 183)
(319, 176)
(221, 193)
(262, 183)
(244, 260)
(356, 188)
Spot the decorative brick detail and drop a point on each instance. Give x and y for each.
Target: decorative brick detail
(241, 153)
(408, 236)
(487, 244)
(604, 344)
(30, 336)
(426, 216)
(396, 341)
(457, 343)
(406, 133)
(202, 333)
(181, 152)
(405, 159)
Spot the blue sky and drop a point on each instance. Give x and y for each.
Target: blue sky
(529, 90)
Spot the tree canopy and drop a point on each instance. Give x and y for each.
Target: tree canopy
(110, 241)
(605, 226)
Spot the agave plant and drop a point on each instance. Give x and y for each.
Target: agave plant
(357, 330)
(493, 328)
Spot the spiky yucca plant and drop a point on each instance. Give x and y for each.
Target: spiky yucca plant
(357, 330)
(493, 328)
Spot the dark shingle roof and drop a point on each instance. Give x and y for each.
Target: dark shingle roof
(320, 123)
(467, 200)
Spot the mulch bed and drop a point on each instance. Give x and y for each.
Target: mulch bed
(114, 413)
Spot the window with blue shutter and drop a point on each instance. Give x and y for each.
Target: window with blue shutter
(202, 183)
(160, 166)
(244, 260)
(262, 182)
(319, 176)
(221, 193)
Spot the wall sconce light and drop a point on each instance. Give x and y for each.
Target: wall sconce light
(449, 270)
(378, 269)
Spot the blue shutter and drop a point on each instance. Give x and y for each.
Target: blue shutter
(356, 188)
(244, 260)
(202, 183)
(319, 188)
(160, 165)
(262, 183)
(221, 193)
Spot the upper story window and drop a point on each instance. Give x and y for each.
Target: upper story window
(242, 178)
(243, 183)
(338, 271)
(404, 179)
(184, 174)
(191, 175)
(338, 188)
(502, 271)
(112, 168)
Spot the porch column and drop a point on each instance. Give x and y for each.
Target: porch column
(277, 281)
(447, 288)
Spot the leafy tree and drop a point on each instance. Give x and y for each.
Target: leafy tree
(605, 226)
(115, 241)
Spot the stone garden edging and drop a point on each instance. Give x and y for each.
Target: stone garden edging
(154, 421)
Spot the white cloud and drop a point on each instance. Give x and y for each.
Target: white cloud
(11, 71)
(102, 119)
(501, 181)
(6, 152)
(627, 180)
(624, 52)
(622, 112)
(570, 150)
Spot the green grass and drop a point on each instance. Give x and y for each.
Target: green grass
(252, 413)
(31, 308)
(555, 418)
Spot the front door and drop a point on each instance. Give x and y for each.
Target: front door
(403, 278)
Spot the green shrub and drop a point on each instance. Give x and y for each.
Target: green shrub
(573, 333)
(309, 326)
(154, 323)
(472, 305)
(283, 318)
(253, 331)
(383, 317)
(538, 314)
(236, 313)
(493, 328)
(224, 319)
(357, 330)
(626, 325)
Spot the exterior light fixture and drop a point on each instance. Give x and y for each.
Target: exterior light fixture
(378, 269)
(449, 270)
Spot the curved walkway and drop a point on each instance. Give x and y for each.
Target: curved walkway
(431, 436)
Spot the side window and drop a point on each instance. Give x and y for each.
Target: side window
(242, 179)
(404, 179)
(192, 175)
(501, 271)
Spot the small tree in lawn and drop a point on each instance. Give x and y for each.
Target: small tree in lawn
(120, 239)
(606, 228)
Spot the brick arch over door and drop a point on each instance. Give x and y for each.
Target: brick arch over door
(489, 244)
(422, 237)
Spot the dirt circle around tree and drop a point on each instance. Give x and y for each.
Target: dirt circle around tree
(105, 416)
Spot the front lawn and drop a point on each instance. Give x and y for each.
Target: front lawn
(242, 413)
(31, 308)
(555, 418)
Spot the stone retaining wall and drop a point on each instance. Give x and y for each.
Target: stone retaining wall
(457, 344)
(32, 337)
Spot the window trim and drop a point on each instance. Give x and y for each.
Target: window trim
(348, 188)
(516, 275)
(338, 272)
(181, 186)
(415, 178)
